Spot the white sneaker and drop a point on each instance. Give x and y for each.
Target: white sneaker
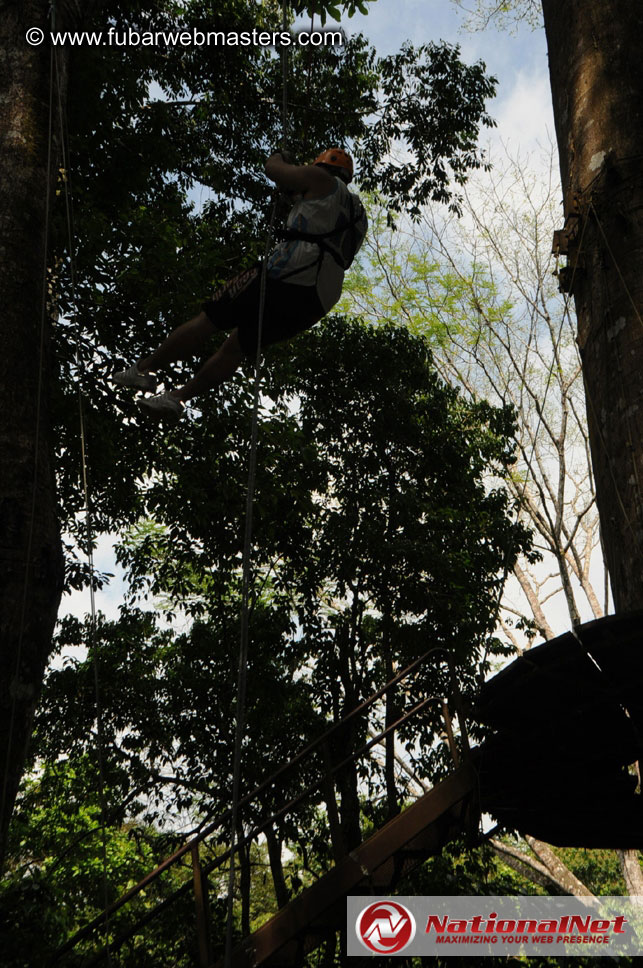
(134, 378)
(162, 407)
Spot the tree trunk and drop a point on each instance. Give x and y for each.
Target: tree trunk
(245, 879)
(31, 563)
(346, 741)
(559, 872)
(632, 874)
(596, 77)
(276, 867)
(527, 866)
(391, 715)
(347, 784)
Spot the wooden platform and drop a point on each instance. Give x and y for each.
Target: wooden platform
(567, 720)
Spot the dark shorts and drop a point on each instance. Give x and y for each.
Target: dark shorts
(289, 309)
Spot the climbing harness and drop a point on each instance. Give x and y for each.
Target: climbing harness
(321, 239)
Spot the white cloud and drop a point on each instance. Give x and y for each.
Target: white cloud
(524, 111)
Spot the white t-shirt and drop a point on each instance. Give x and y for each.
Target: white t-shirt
(298, 262)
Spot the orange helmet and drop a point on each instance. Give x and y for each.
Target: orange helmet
(336, 158)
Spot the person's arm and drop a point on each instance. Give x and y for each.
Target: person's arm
(303, 179)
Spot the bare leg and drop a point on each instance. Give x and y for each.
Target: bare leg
(181, 344)
(216, 370)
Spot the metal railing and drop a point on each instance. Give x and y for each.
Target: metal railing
(324, 785)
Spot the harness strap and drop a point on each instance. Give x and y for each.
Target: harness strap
(319, 238)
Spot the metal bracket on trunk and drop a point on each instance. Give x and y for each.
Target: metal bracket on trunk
(565, 242)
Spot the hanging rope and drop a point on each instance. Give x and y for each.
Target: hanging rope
(25, 588)
(242, 672)
(629, 295)
(590, 401)
(283, 55)
(89, 535)
(617, 490)
(53, 70)
(587, 192)
(304, 136)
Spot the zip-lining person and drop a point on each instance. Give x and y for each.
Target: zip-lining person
(304, 277)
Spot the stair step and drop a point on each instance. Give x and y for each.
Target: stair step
(414, 834)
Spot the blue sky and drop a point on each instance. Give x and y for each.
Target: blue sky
(522, 109)
(522, 106)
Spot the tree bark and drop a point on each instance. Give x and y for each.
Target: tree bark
(389, 718)
(245, 877)
(276, 867)
(632, 874)
(346, 741)
(560, 873)
(347, 784)
(528, 867)
(596, 76)
(31, 563)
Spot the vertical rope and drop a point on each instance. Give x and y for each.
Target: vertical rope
(283, 54)
(242, 671)
(304, 136)
(89, 535)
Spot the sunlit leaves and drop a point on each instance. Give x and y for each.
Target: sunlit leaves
(432, 107)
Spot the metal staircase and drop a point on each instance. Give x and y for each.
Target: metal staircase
(375, 865)
(566, 723)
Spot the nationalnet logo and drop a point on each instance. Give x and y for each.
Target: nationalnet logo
(523, 926)
(385, 927)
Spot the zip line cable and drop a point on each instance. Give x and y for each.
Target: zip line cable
(89, 535)
(242, 675)
(13, 684)
(242, 672)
